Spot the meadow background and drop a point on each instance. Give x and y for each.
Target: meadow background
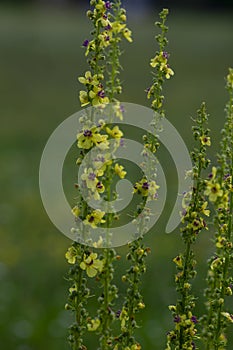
(40, 59)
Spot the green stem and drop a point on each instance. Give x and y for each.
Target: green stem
(78, 342)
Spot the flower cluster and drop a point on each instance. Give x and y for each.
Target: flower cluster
(146, 188)
(95, 94)
(109, 21)
(105, 139)
(162, 68)
(161, 62)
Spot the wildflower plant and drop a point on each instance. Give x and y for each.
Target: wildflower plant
(194, 214)
(219, 191)
(147, 188)
(102, 52)
(98, 141)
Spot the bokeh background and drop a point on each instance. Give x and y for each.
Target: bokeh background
(40, 59)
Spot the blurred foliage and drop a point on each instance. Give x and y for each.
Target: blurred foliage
(39, 62)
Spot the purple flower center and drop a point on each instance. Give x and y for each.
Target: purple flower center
(145, 185)
(226, 176)
(108, 27)
(177, 319)
(107, 38)
(108, 5)
(99, 185)
(91, 219)
(87, 133)
(86, 43)
(122, 142)
(100, 159)
(122, 109)
(118, 313)
(194, 319)
(101, 94)
(91, 176)
(196, 223)
(165, 55)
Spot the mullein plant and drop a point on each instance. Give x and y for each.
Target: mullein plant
(219, 189)
(147, 189)
(102, 52)
(194, 214)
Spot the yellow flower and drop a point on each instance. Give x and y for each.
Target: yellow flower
(97, 96)
(95, 218)
(100, 6)
(146, 188)
(115, 132)
(83, 97)
(105, 38)
(71, 255)
(172, 307)
(92, 325)
(213, 190)
(216, 263)
(228, 316)
(136, 347)
(119, 110)
(91, 264)
(204, 210)
(90, 178)
(155, 61)
(221, 242)
(168, 72)
(117, 27)
(90, 47)
(75, 211)
(86, 138)
(160, 60)
(101, 141)
(88, 79)
(99, 243)
(141, 305)
(224, 201)
(205, 140)
(123, 318)
(119, 170)
(101, 162)
(152, 192)
(178, 261)
(197, 224)
(100, 187)
(123, 18)
(212, 176)
(127, 34)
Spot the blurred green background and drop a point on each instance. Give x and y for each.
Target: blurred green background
(40, 60)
